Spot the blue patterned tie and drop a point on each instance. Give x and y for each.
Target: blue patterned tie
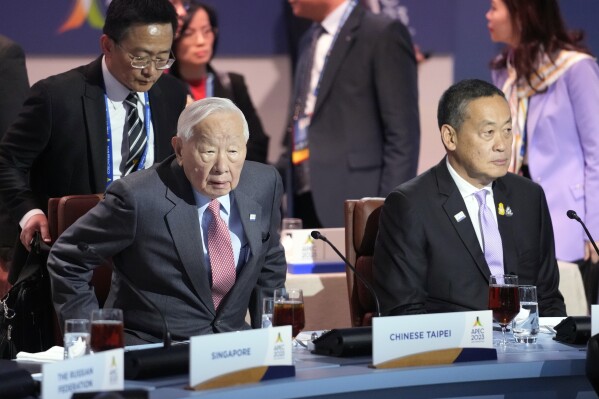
(492, 246)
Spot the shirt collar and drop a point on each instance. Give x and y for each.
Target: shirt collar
(464, 186)
(202, 201)
(114, 89)
(333, 20)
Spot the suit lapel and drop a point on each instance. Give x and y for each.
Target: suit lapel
(504, 220)
(183, 223)
(340, 49)
(158, 112)
(250, 213)
(453, 206)
(94, 108)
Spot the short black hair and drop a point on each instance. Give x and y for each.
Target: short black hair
(455, 100)
(123, 14)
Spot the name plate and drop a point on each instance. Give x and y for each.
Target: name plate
(242, 357)
(440, 338)
(594, 320)
(103, 371)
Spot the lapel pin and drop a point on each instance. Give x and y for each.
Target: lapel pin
(459, 216)
(252, 216)
(508, 212)
(501, 209)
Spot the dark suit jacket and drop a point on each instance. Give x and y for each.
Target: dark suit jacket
(149, 225)
(364, 134)
(427, 261)
(59, 137)
(232, 86)
(14, 86)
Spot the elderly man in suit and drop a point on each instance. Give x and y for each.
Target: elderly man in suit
(82, 129)
(197, 234)
(445, 232)
(354, 128)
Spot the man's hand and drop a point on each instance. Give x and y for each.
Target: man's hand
(589, 252)
(35, 223)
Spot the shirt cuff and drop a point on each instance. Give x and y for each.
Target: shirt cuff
(28, 215)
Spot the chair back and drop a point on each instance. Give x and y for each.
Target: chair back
(361, 229)
(63, 212)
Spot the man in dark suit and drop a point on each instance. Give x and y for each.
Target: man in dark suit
(157, 224)
(434, 250)
(14, 86)
(72, 135)
(354, 129)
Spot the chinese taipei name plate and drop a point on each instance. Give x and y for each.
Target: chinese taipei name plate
(103, 371)
(441, 338)
(242, 357)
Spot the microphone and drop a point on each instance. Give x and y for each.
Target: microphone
(317, 236)
(572, 215)
(153, 362)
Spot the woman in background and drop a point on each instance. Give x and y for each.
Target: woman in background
(552, 84)
(194, 48)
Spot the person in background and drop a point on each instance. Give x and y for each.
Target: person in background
(194, 48)
(443, 233)
(354, 128)
(552, 84)
(14, 86)
(80, 130)
(198, 234)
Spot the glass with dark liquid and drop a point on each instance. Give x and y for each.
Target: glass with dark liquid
(504, 301)
(107, 330)
(289, 309)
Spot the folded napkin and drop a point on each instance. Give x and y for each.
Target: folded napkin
(54, 354)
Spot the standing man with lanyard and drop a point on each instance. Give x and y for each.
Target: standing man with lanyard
(82, 129)
(354, 128)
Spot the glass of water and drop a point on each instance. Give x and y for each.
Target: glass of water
(525, 325)
(76, 338)
(268, 305)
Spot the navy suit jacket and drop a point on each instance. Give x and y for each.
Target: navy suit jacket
(425, 260)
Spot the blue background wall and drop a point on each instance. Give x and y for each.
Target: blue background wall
(258, 28)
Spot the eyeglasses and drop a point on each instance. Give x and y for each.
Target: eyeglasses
(144, 62)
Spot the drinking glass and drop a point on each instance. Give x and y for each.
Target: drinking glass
(107, 329)
(267, 310)
(526, 323)
(76, 338)
(504, 301)
(289, 309)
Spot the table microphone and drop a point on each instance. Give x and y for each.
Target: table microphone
(153, 362)
(346, 342)
(572, 215)
(317, 236)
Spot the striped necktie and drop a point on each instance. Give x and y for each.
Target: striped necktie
(136, 134)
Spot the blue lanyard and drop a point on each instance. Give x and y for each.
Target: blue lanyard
(142, 161)
(344, 18)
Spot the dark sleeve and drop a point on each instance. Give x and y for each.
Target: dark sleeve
(551, 301)
(400, 262)
(396, 83)
(13, 82)
(257, 145)
(274, 269)
(20, 147)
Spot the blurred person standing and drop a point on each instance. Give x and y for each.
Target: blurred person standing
(194, 48)
(354, 124)
(14, 86)
(80, 130)
(552, 84)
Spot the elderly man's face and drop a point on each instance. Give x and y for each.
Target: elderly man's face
(480, 151)
(146, 41)
(213, 156)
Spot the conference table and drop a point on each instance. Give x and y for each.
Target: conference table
(547, 369)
